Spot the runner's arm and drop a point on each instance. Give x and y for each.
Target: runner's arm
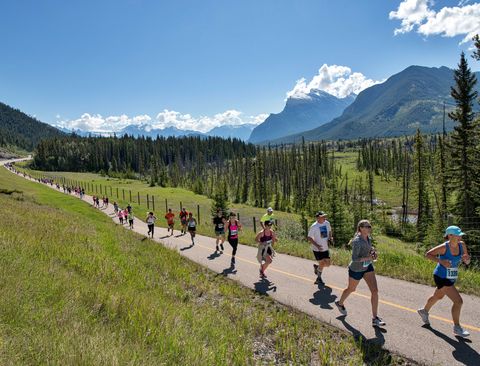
(465, 256)
(310, 239)
(433, 254)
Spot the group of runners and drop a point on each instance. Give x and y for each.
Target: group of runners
(449, 255)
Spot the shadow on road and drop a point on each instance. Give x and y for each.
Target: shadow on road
(214, 255)
(227, 271)
(187, 248)
(264, 285)
(323, 297)
(164, 237)
(371, 348)
(463, 353)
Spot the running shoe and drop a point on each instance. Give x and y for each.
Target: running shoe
(315, 269)
(424, 315)
(460, 332)
(341, 308)
(378, 322)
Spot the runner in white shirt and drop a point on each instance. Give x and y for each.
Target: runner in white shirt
(319, 235)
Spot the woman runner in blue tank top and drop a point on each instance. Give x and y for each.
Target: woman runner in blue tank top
(448, 256)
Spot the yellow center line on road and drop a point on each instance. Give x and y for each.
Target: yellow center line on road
(309, 280)
(359, 294)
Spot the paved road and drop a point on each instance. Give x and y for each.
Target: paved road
(290, 281)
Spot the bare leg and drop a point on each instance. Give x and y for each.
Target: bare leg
(371, 281)
(457, 300)
(352, 286)
(437, 295)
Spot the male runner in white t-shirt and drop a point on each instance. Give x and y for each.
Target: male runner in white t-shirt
(319, 235)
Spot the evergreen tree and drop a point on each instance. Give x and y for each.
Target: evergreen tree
(464, 172)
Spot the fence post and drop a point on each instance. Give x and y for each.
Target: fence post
(254, 225)
(138, 197)
(130, 195)
(153, 202)
(198, 214)
(117, 192)
(305, 227)
(166, 205)
(123, 193)
(148, 202)
(180, 205)
(111, 193)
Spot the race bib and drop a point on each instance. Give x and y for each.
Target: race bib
(366, 264)
(220, 226)
(452, 273)
(233, 232)
(323, 232)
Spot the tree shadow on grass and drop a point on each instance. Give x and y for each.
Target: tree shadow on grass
(323, 297)
(463, 353)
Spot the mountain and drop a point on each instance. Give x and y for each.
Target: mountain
(411, 99)
(301, 114)
(147, 131)
(20, 130)
(241, 132)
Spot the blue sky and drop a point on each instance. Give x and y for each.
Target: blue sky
(184, 62)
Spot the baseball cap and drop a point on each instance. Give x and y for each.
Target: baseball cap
(320, 214)
(454, 230)
(270, 209)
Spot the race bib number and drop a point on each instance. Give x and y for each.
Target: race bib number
(233, 232)
(220, 226)
(366, 264)
(452, 273)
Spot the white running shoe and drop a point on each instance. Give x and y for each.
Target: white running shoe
(459, 331)
(424, 315)
(378, 322)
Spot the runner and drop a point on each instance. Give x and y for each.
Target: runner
(170, 220)
(233, 226)
(129, 208)
(130, 219)
(183, 220)
(361, 266)
(115, 207)
(319, 235)
(269, 216)
(265, 239)
(219, 222)
(125, 216)
(150, 223)
(192, 226)
(448, 256)
(120, 216)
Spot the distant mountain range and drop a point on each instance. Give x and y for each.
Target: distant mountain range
(411, 99)
(301, 114)
(241, 132)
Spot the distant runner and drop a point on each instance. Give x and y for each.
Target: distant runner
(170, 217)
(192, 227)
(361, 266)
(219, 221)
(233, 226)
(319, 235)
(183, 220)
(448, 256)
(265, 239)
(150, 223)
(269, 216)
(130, 219)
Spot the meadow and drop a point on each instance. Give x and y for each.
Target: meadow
(78, 289)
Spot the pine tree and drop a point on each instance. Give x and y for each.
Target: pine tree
(464, 171)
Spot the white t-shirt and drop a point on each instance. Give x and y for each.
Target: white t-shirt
(320, 234)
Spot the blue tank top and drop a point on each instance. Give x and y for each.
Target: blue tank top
(452, 272)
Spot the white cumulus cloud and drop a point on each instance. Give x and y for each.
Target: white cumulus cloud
(167, 118)
(339, 81)
(462, 20)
